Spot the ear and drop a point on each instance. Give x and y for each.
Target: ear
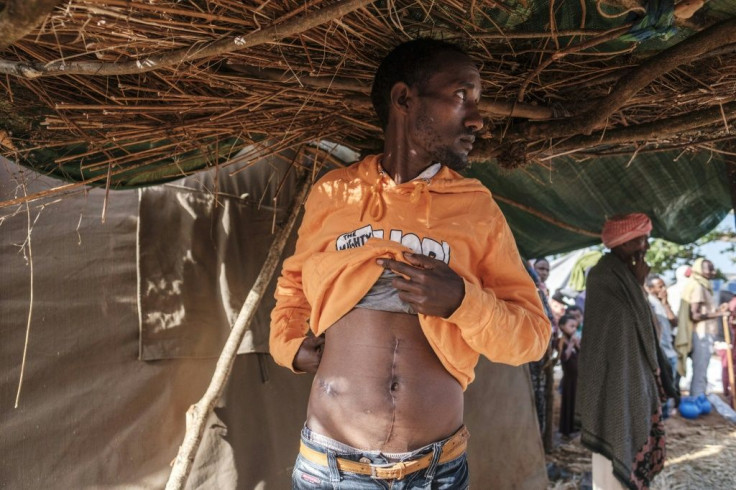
(400, 97)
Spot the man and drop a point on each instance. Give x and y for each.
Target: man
(666, 320)
(697, 319)
(577, 313)
(541, 267)
(407, 272)
(541, 372)
(618, 399)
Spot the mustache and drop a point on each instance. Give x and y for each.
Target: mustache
(468, 135)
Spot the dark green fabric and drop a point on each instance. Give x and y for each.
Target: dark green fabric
(144, 163)
(685, 198)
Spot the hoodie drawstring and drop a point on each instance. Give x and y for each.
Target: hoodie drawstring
(421, 189)
(375, 204)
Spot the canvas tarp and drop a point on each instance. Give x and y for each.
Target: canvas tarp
(92, 414)
(562, 207)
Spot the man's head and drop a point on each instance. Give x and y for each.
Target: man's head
(655, 284)
(428, 90)
(705, 268)
(557, 304)
(568, 324)
(541, 266)
(627, 235)
(576, 312)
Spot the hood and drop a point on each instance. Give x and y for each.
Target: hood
(376, 182)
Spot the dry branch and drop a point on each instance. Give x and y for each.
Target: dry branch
(544, 217)
(190, 53)
(656, 130)
(20, 17)
(486, 106)
(647, 132)
(198, 413)
(634, 81)
(558, 55)
(306, 87)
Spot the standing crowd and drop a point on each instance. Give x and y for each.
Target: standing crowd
(624, 351)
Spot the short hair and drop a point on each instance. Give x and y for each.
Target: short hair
(412, 62)
(565, 318)
(651, 278)
(573, 308)
(540, 259)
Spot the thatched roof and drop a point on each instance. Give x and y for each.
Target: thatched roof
(131, 92)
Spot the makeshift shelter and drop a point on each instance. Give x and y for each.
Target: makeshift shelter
(128, 317)
(589, 113)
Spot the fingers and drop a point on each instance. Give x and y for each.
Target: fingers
(416, 261)
(399, 267)
(407, 285)
(419, 260)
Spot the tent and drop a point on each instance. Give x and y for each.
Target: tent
(589, 113)
(127, 318)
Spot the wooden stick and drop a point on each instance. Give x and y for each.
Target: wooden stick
(546, 218)
(729, 360)
(496, 107)
(190, 53)
(198, 413)
(635, 80)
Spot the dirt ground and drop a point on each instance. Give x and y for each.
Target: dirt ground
(701, 455)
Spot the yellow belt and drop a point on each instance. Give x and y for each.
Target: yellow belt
(453, 448)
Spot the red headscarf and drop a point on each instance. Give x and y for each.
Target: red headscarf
(621, 229)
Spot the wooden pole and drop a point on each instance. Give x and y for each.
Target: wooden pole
(729, 360)
(198, 413)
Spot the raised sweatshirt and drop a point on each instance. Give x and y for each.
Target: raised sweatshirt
(357, 214)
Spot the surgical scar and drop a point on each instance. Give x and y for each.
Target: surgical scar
(327, 388)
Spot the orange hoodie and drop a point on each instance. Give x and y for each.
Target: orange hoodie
(357, 214)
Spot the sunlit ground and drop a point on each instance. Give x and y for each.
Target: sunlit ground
(701, 453)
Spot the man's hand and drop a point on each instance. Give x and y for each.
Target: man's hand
(639, 267)
(432, 288)
(662, 295)
(309, 355)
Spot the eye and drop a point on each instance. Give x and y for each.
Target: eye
(462, 94)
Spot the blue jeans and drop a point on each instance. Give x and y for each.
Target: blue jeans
(308, 475)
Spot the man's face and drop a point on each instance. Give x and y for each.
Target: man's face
(656, 287)
(542, 268)
(445, 119)
(570, 326)
(577, 315)
(635, 248)
(709, 270)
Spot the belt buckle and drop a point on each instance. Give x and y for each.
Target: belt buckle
(399, 467)
(376, 467)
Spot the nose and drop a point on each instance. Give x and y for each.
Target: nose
(473, 119)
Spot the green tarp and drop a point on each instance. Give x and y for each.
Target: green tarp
(686, 197)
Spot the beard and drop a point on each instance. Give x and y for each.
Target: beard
(441, 153)
(456, 161)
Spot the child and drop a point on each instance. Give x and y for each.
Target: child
(569, 347)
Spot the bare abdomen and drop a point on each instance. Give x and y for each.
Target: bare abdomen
(381, 387)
